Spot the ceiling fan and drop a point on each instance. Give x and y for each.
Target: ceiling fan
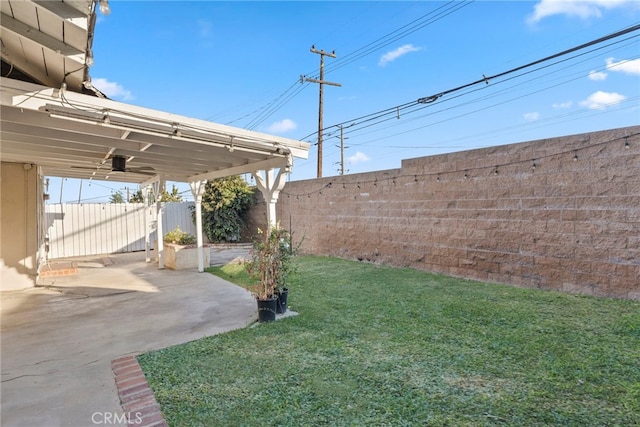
(119, 165)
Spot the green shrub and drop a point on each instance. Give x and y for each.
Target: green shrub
(225, 204)
(179, 237)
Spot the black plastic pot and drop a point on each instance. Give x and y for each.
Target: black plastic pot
(281, 307)
(267, 309)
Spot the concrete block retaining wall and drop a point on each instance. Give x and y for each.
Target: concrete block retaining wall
(560, 213)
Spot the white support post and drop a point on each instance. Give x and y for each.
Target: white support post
(146, 191)
(197, 188)
(270, 188)
(158, 187)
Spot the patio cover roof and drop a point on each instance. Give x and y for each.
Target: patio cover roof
(75, 135)
(52, 115)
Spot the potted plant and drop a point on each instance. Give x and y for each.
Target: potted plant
(287, 252)
(270, 265)
(264, 270)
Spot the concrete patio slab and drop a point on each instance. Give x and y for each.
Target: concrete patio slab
(58, 341)
(225, 253)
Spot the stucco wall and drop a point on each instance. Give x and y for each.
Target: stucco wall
(19, 216)
(560, 213)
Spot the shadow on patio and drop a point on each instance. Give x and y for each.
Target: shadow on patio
(58, 339)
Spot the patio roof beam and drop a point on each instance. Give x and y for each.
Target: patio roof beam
(66, 10)
(274, 162)
(58, 142)
(23, 30)
(91, 110)
(172, 131)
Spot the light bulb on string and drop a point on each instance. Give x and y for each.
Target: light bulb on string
(105, 9)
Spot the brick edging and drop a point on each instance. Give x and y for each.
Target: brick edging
(136, 397)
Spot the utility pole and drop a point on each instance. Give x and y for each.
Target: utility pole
(321, 82)
(342, 147)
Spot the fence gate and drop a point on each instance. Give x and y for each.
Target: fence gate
(93, 229)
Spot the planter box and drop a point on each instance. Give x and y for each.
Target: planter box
(179, 257)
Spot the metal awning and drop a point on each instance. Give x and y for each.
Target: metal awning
(74, 135)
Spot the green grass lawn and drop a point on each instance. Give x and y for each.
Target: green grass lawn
(376, 346)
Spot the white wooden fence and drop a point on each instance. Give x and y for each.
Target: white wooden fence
(92, 229)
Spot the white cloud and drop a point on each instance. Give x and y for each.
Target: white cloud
(631, 66)
(112, 89)
(600, 100)
(359, 157)
(397, 53)
(562, 105)
(282, 126)
(582, 9)
(597, 75)
(531, 117)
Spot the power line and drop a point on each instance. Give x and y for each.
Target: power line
(509, 89)
(273, 106)
(410, 28)
(559, 119)
(485, 80)
(417, 24)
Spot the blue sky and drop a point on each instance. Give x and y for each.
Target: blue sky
(240, 63)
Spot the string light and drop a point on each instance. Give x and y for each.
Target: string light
(533, 164)
(89, 58)
(105, 9)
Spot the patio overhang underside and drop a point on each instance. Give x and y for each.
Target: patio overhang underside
(74, 135)
(49, 42)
